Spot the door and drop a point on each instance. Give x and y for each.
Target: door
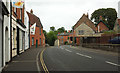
(36, 43)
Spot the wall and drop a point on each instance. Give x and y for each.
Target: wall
(87, 29)
(102, 27)
(0, 37)
(37, 36)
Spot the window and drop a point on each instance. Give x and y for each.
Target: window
(80, 32)
(40, 31)
(62, 37)
(40, 41)
(21, 13)
(32, 41)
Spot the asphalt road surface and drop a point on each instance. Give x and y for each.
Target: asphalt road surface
(67, 58)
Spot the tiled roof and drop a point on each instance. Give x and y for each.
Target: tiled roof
(87, 21)
(64, 34)
(34, 19)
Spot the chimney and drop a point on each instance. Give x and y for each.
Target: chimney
(100, 18)
(87, 15)
(31, 11)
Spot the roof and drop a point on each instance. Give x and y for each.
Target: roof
(87, 21)
(64, 34)
(103, 23)
(34, 19)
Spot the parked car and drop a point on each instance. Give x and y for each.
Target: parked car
(115, 40)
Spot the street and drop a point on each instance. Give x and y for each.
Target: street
(66, 58)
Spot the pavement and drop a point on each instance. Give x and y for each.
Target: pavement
(69, 59)
(26, 62)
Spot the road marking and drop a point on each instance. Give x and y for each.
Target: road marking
(37, 62)
(112, 63)
(42, 62)
(83, 55)
(68, 50)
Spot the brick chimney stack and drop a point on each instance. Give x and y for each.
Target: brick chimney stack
(31, 11)
(100, 18)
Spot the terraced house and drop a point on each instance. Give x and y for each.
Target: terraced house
(37, 37)
(4, 33)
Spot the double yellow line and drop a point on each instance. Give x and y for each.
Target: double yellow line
(42, 62)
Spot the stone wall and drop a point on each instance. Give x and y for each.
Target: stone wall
(106, 47)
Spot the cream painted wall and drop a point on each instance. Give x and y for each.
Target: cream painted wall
(87, 30)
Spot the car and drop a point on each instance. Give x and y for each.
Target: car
(115, 40)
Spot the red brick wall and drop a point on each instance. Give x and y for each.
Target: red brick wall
(102, 27)
(37, 36)
(18, 10)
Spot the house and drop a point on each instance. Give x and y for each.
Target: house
(37, 37)
(84, 28)
(18, 30)
(65, 37)
(27, 37)
(4, 33)
(101, 26)
(117, 26)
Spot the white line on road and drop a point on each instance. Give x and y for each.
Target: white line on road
(68, 50)
(112, 63)
(83, 55)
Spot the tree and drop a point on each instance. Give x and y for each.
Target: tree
(51, 37)
(60, 30)
(109, 16)
(52, 28)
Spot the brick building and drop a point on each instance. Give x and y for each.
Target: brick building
(101, 25)
(37, 39)
(65, 37)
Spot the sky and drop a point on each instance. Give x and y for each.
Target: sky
(65, 13)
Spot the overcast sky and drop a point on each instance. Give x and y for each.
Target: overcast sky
(65, 13)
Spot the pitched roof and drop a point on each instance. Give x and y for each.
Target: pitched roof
(103, 23)
(34, 19)
(87, 21)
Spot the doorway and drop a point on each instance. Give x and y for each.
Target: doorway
(6, 45)
(36, 43)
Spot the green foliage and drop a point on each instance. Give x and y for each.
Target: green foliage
(52, 28)
(109, 16)
(60, 30)
(66, 42)
(51, 37)
(110, 32)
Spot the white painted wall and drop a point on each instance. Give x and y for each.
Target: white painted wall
(27, 31)
(6, 40)
(0, 41)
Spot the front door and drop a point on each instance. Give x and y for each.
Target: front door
(36, 43)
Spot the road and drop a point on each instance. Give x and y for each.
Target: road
(67, 58)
